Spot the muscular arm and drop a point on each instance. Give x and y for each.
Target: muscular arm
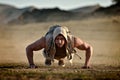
(78, 43)
(37, 45)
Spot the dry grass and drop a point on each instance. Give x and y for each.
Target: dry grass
(102, 33)
(21, 72)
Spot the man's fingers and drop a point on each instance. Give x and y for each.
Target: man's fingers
(32, 66)
(86, 67)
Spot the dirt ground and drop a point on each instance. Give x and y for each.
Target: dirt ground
(102, 33)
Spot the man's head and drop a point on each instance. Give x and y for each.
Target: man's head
(60, 36)
(60, 40)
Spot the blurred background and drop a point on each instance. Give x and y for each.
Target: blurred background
(94, 21)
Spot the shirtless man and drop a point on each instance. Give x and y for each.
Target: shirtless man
(60, 40)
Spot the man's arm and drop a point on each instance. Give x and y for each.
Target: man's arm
(37, 45)
(78, 43)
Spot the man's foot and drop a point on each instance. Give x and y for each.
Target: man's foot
(61, 63)
(48, 62)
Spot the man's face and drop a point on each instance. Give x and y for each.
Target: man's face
(60, 41)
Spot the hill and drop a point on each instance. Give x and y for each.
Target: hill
(13, 15)
(10, 14)
(86, 9)
(113, 10)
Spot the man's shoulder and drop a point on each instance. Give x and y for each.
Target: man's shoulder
(72, 37)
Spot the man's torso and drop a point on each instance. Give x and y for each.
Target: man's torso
(60, 53)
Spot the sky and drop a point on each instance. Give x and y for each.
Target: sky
(62, 4)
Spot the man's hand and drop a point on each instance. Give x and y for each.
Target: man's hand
(32, 66)
(86, 67)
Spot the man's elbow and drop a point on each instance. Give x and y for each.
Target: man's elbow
(28, 48)
(89, 49)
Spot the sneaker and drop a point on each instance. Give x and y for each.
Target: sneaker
(61, 63)
(48, 62)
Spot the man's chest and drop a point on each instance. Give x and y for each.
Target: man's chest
(61, 53)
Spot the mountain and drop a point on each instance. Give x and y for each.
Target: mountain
(111, 10)
(86, 9)
(42, 15)
(9, 14)
(13, 15)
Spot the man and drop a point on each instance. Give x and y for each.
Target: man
(58, 46)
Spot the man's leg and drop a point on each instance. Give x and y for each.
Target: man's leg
(48, 62)
(61, 63)
(47, 59)
(71, 60)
